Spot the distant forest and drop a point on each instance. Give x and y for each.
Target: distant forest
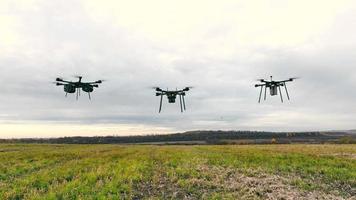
(203, 137)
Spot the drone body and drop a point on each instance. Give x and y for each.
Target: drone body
(274, 88)
(75, 87)
(172, 95)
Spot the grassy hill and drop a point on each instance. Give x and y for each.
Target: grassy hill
(205, 137)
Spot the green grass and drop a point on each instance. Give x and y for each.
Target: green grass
(161, 172)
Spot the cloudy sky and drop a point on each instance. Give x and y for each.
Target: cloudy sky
(219, 47)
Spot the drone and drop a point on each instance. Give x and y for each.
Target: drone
(171, 95)
(72, 87)
(274, 87)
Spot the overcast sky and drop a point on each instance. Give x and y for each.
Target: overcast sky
(219, 47)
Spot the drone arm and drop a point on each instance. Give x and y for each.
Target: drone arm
(63, 81)
(95, 82)
(262, 80)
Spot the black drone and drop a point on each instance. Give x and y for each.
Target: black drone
(72, 87)
(273, 86)
(171, 95)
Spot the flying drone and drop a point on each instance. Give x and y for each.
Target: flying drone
(274, 87)
(72, 87)
(171, 95)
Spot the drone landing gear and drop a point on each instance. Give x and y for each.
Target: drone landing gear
(183, 102)
(180, 102)
(285, 87)
(280, 93)
(77, 94)
(160, 104)
(265, 94)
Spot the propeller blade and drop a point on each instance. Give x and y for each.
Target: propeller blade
(89, 95)
(293, 78)
(100, 81)
(183, 102)
(157, 89)
(188, 88)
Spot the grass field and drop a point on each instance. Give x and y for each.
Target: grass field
(177, 172)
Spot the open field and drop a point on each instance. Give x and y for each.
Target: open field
(30, 171)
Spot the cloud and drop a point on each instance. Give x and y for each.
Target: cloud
(220, 48)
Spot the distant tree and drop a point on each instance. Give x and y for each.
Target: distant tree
(347, 140)
(273, 141)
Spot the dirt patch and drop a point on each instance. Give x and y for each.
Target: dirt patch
(343, 155)
(225, 183)
(9, 150)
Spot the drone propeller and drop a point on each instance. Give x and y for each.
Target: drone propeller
(188, 88)
(259, 85)
(293, 78)
(157, 89)
(58, 84)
